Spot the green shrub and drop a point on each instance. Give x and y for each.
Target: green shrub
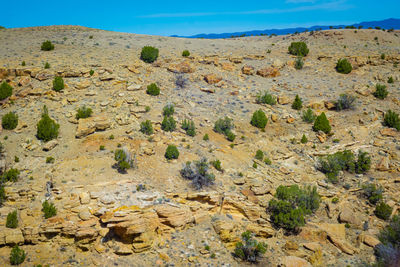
(17, 255)
(345, 102)
(189, 127)
(265, 98)
(11, 175)
(249, 249)
(206, 137)
(224, 126)
(47, 129)
(149, 54)
(91, 72)
(5, 90)
(332, 164)
(372, 193)
(217, 164)
(16, 159)
(388, 251)
(9, 121)
(267, 161)
(168, 124)
(102, 147)
(168, 110)
(58, 84)
(146, 127)
(299, 63)
(297, 103)
(308, 116)
(392, 120)
(363, 163)
(380, 91)
(291, 205)
(171, 152)
(298, 49)
(304, 139)
(47, 65)
(49, 210)
(47, 46)
(383, 211)
(383, 56)
(322, 124)
(23, 63)
(259, 119)
(123, 159)
(197, 172)
(259, 155)
(2, 194)
(185, 53)
(343, 66)
(50, 160)
(390, 80)
(153, 89)
(12, 219)
(83, 113)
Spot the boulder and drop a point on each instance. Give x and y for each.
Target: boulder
(50, 145)
(14, 236)
(183, 67)
(212, 78)
(83, 84)
(174, 216)
(90, 125)
(248, 70)
(268, 72)
(293, 261)
(348, 215)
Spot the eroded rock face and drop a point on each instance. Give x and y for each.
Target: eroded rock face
(268, 72)
(183, 67)
(92, 124)
(212, 78)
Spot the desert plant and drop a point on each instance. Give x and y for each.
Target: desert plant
(304, 139)
(2, 193)
(332, 164)
(49, 210)
(185, 53)
(189, 127)
(168, 124)
(23, 63)
(298, 49)
(259, 155)
(363, 163)
(17, 255)
(265, 98)
(343, 66)
(390, 80)
(380, 91)
(168, 110)
(292, 203)
(372, 193)
(124, 160)
(217, 164)
(9, 121)
(91, 72)
(198, 173)
(12, 219)
(47, 65)
(299, 63)
(11, 175)
(5, 90)
(249, 249)
(83, 113)
(259, 119)
(206, 137)
(47, 129)
(50, 160)
(392, 120)
(47, 46)
(225, 126)
(153, 89)
(383, 211)
(181, 81)
(58, 84)
(345, 101)
(308, 116)
(149, 54)
(297, 103)
(383, 56)
(146, 127)
(171, 152)
(322, 124)
(388, 251)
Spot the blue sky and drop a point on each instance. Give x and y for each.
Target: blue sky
(193, 17)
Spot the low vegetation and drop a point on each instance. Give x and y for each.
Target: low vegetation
(372, 193)
(58, 84)
(249, 249)
(383, 211)
(146, 127)
(47, 129)
(321, 123)
(5, 90)
(298, 49)
(124, 160)
(83, 113)
(380, 91)
(265, 98)
(168, 110)
(149, 54)
(308, 116)
(185, 53)
(47, 46)
(225, 126)
(153, 89)
(171, 152)
(12, 220)
(345, 101)
(189, 127)
(388, 251)
(343, 66)
(168, 124)
(299, 63)
(198, 173)
(17, 255)
(297, 103)
(259, 119)
(49, 210)
(9, 121)
(392, 120)
(291, 204)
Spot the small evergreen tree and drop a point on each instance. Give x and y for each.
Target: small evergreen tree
(5, 90)
(343, 66)
(47, 129)
(259, 119)
(172, 152)
(297, 104)
(149, 54)
(9, 121)
(322, 124)
(58, 84)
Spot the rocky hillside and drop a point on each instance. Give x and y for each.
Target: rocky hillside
(150, 214)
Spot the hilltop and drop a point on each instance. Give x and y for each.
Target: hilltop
(151, 215)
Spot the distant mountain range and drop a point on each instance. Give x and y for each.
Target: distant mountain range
(383, 24)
